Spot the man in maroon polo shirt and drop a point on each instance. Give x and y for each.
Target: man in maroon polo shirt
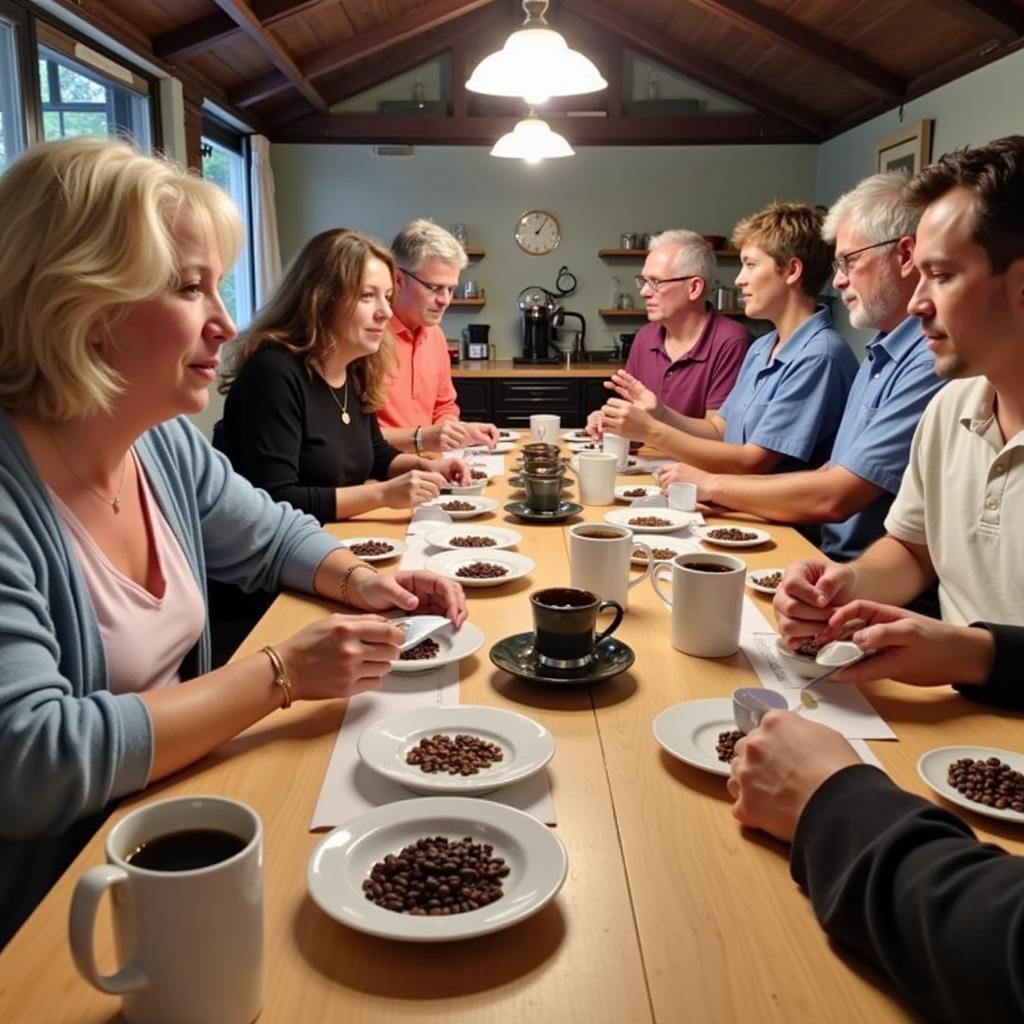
(687, 354)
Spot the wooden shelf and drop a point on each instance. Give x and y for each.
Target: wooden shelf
(474, 254)
(469, 303)
(640, 253)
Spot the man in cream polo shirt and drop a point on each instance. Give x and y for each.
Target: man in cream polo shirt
(957, 518)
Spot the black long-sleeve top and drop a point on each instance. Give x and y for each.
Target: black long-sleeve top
(908, 885)
(283, 431)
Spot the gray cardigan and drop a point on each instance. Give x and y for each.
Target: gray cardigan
(68, 746)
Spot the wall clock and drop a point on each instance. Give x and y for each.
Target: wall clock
(538, 232)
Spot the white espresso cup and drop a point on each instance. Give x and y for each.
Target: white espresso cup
(706, 605)
(682, 496)
(596, 474)
(618, 446)
(545, 427)
(186, 882)
(599, 560)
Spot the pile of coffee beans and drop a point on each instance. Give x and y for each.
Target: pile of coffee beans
(770, 580)
(481, 571)
(809, 647)
(636, 492)
(477, 474)
(989, 782)
(423, 651)
(726, 745)
(660, 555)
(459, 755)
(437, 877)
(371, 547)
(470, 541)
(649, 521)
(458, 506)
(730, 533)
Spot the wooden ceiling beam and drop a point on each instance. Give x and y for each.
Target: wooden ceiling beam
(358, 47)
(1000, 19)
(242, 14)
(196, 37)
(693, 64)
(780, 30)
(720, 129)
(270, 12)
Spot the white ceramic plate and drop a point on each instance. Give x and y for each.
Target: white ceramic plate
(480, 505)
(344, 858)
(454, 645)
(679, 545)
(754, 577)
(526, 747)
(442, 537)
(760, 538)
(587, 445)
(620, 491)
(398, 547)
(504, 434)
(575, 434)
(447, 563)
(934, 765)
(690, 731)
(481, 449)
(677, 520)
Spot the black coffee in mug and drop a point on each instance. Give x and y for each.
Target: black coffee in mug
(186, 850)
(707, 567)
(564, 620)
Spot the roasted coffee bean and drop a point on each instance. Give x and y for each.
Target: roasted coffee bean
(730, 533)
(636, 492)
(989, 782)
(660, 555)
(478, 474)
(770, 580)
(726, 745)
(370, 547)
(470, 541)
(423, 651)
(437, 877)
(649, 521)
(458, 506)
(459, 755)
(481, 571)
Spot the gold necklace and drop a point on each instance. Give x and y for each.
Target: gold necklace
(345, 418)
(115, 501)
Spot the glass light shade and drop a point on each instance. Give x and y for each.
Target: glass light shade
(532, 140)
(536, 64)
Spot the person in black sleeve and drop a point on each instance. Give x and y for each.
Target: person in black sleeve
(305, 379)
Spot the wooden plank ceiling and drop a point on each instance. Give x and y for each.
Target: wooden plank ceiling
(807, 70)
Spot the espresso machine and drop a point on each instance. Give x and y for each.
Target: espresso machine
(543, 315)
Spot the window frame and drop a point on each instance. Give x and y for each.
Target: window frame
(25, 64)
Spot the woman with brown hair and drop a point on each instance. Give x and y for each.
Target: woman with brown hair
(305, 380)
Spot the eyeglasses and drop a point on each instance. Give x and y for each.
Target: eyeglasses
(848, 260)
(434, 289)
(655, 283)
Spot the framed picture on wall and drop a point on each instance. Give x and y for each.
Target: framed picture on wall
(907, 150)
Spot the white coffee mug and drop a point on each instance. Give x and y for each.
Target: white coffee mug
(545, 427)
(596, 473)
(189, 940)
(599, 560)
(682, 496)
(618, 446)
(706, 606)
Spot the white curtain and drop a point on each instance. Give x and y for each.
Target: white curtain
(265, 245)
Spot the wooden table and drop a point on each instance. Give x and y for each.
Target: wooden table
(669, 913)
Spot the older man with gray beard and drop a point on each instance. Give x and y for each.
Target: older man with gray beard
(873, 230)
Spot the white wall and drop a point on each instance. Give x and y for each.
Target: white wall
(596, 194)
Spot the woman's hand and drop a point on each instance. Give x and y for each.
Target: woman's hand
(410, 590)
(913, 648)
(413, 488)
(340, 655)
(626, 386)
(454, 471)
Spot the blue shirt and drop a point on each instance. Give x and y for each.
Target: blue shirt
(792, 404)
(892, 387)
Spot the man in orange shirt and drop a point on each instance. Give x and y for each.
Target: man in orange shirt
(421, 413)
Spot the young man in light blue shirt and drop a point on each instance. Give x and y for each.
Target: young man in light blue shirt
(873, 229)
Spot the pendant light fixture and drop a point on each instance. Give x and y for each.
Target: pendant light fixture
(532, 140)
(536, 63)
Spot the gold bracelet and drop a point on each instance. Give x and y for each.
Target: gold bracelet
(280, 674)
(343, 593)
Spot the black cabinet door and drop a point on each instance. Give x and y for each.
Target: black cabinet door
(475, 404)
(595, 394)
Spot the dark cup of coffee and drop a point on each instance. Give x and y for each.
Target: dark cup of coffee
(543, 493)
(565, 620)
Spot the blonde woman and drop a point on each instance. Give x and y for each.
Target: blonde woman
(115, 508)
(305, 382)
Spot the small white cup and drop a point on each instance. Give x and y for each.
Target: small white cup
(751, 703)
(682, 496)
(599, 559)
(618, 446)
(706, 607)
(545, 427)
(596, 473)
(189, 942)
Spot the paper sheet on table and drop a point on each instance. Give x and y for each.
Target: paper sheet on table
(840, 706)
(865, 753)
(492, 464)
(424, 519)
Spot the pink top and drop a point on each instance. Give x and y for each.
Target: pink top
(144, 637)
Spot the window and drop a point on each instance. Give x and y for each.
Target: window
(12, 118)
(226, 163)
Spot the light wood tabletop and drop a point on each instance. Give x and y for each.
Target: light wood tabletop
(670, 913)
